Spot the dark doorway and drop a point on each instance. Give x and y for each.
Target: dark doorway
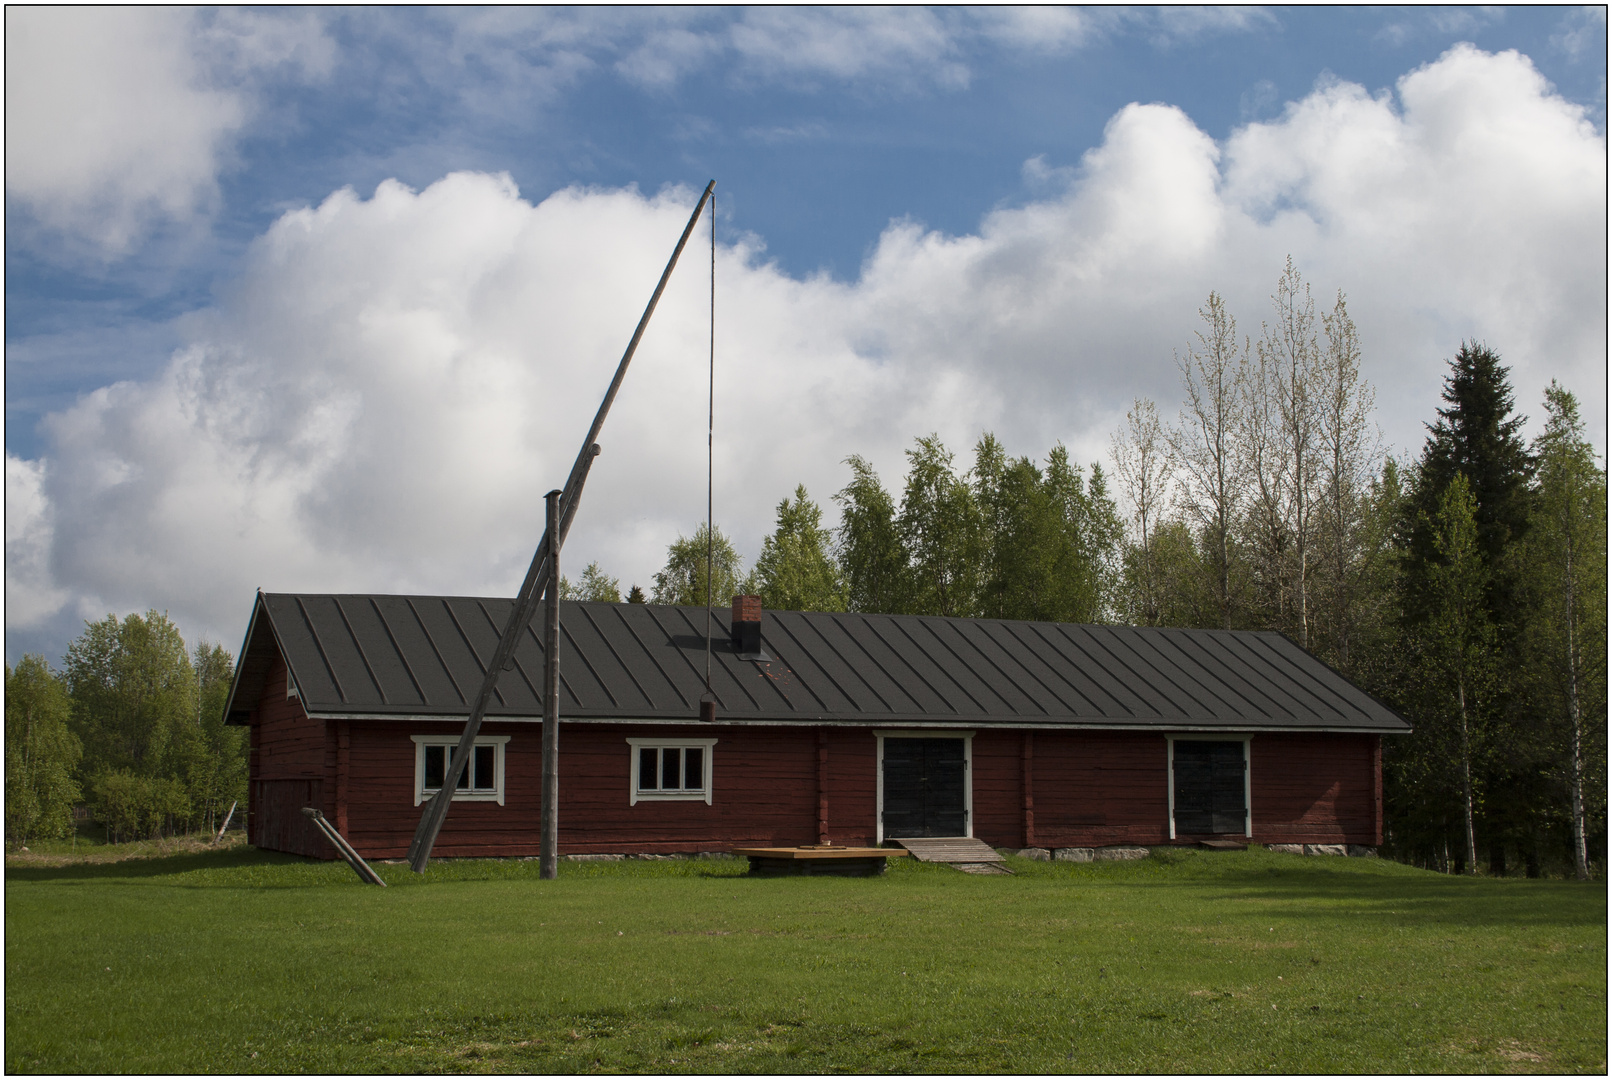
(924, 787)
(1210, 796)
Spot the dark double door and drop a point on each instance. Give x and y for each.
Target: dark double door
(1210, 789)
(924, 788)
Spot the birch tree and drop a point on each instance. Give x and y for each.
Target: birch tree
(1288, 351)
(1142, 462)
(1566, 643)
(1346, 465)
(1205, 449)
(1460, 640)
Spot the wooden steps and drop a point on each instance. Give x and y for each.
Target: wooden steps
(961, 852)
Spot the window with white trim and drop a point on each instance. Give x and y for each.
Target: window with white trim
(482, 780)
(670, 769)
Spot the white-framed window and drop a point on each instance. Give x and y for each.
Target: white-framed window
(482, 780)
(666, 770)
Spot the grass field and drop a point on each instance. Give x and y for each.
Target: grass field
(239, 961)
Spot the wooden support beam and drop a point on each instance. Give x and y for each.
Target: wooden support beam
(1027, 770)
(822, 785)
(549, 822)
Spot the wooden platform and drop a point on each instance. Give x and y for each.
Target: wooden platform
(965, 853)
(809, 861)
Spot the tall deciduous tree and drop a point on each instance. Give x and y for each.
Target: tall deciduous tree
(1205, 448)
(41, 754)
(795, 570)
(134, 694)
(1459, 638)
(872, 561)
(683, 579)
(941, 532)
(595, 585)
(1350, 549)
(1142, 463)
(1288, 357)
(1566, 586)
(1050, 540)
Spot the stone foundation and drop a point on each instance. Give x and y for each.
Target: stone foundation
(1074, 854)
(1109, 854)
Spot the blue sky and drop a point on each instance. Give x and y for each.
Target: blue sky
(168, 173)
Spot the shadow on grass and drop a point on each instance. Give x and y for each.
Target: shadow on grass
(158, 865)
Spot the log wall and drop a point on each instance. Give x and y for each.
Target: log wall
(778, 787)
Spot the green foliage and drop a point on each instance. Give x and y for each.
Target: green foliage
(1565, 642)
(683, 579)
(942, 534)
(872, 562)
(635, 595)
(795, 571)
(41, 754)
(1050, 541)
(151, 722)
(595, 585)
(1477, 436)
(1201, 962)
(138, 807)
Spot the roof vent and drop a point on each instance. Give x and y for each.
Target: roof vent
(747, 628)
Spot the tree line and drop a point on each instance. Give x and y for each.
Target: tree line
(132, 727)
(1466, 588)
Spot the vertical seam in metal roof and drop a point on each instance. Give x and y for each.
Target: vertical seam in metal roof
(803, 651)
(836, 618)
(577, 649)
(625, 668)
(457, 625)
(359, 645)
(1092, 705)
(1109, 648)
(1308, 683)
(1100, 666)
(666, 674)
(317, 644)
(1168, 636)
(692, 666)
(431, 641)
(979, 626)
(1256, 684)
(1007, 628)
(404, 660)
(872, 629)
(481, 605)
(925, 623)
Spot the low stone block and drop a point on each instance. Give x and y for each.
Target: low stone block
(1039, 854)
(1324, 849)
(1286, 849)
(1074, 854)
(1110, 854)
(652, 856)
(715, 855)
(1362, 851)
(593, 858)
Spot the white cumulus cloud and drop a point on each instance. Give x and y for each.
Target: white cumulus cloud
(392, 382)
(120, 118)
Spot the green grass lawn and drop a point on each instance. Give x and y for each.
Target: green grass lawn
(239, 961)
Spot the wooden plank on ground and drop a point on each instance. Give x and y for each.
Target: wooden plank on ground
(949, 849)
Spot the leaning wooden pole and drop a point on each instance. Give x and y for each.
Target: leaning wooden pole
(549, 849)
(525, 606)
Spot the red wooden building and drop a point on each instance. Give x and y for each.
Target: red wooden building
(830, 727)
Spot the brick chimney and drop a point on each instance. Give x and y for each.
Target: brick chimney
(747, 625)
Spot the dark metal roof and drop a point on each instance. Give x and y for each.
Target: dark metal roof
(382, 656)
